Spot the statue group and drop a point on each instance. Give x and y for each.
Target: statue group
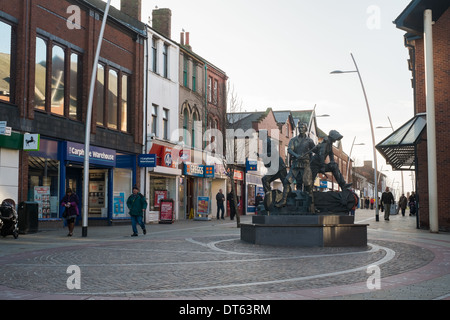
(307, 160)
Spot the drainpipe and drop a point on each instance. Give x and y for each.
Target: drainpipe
(206, 99)
(431, 122)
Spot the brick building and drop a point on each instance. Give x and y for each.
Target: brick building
(46, 66)
(416, 157)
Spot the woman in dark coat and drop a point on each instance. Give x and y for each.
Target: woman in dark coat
(70, 202)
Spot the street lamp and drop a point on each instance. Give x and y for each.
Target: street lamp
(377, 217)
(87, 139)
(350, 154)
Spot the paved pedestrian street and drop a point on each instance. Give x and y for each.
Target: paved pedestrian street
(206, 260)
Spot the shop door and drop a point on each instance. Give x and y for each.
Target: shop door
(189, 198)
(74, 181)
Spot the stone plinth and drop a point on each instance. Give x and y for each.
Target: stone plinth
(305, 231)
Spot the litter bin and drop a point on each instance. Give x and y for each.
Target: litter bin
(28, 217)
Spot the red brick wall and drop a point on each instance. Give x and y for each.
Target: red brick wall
(441, 30)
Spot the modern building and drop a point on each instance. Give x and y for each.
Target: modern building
(47, 58)
(425, 138)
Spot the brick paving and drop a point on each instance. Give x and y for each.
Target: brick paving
(206, 260)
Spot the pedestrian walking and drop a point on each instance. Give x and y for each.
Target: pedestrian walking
(387, 198)
(412, 204)
(402, 203)
(230, 199)
(70, 202)
(137, 204)
(220, 198)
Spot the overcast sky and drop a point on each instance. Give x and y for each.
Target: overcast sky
(279, 54)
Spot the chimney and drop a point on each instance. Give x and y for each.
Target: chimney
(162, 21)
(133, 8)
(182, 38)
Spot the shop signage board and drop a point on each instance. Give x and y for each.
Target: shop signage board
(166, 211)
(31, 142)
(147, 160)
(251, 165)
(198, 170)
(97, 155)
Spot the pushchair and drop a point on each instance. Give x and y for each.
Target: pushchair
(9, 219)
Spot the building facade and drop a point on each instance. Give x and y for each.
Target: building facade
(48, 60)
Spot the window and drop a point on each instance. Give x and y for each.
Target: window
(154, 119)
(74, 84)
(166, 124)
(57, 78)
(40, 73)
(194, 124)
(185, 71)
(100, 94)
(124, 106)
(111, 104)
(185, 126)
(166, 61)
(215, 92)
(57, 81)
(154, 56)
(113, 99)
(194, 78)
(209, 89)
(6, 62)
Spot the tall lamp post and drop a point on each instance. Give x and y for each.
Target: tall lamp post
(350, 154)
(88, 124)
(377, 217)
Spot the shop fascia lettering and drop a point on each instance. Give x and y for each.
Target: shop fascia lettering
(75, 152)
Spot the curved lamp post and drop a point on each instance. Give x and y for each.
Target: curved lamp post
(377, 217)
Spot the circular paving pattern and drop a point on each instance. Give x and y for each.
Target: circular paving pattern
(203, 267)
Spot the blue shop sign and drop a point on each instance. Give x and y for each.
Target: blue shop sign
(251, 165)
(97, 155)
(147, 160)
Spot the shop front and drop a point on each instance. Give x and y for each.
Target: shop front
(163, 181)
(197, 182)
(58, 165)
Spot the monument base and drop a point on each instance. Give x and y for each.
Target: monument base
(305, 231)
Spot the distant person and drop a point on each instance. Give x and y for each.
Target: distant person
(230, 199)
(387, 199)
(412, 204)
(220, 198)
(402, 203)
(70, 203)
(137, 204)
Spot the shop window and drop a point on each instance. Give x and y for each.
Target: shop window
(161, 188)
(122, 185)
(6, 62)
(43, 182)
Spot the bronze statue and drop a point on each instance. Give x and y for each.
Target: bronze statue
(324, 150)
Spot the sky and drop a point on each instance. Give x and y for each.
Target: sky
(279, 54)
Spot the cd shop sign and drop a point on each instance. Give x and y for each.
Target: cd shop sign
(97, 155)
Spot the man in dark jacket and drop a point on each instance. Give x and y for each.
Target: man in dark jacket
(137, 204)
(220, 198)
(387, 199)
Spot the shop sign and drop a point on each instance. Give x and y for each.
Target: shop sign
(97, 155)
(196, 170)
(167, 159)
(31, 141)
(209, 171)
(147, 160)
(251, 165)
(238, 175)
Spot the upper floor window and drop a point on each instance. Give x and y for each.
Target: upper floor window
(6, 62)
(111, 103)
(194, 78)
(154, 119)
(165, 124)
(215, 92)
(154, 56)
(185, 71)
(166, 61)
(209, 89)
(57, 83)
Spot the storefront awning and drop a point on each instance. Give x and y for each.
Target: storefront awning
(399, 149)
